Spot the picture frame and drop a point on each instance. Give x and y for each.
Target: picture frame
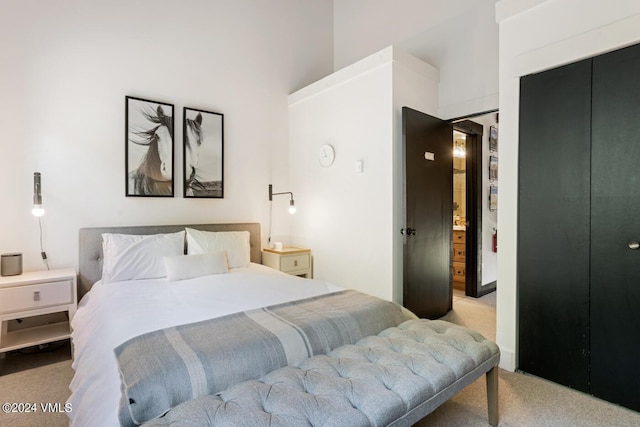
(149, 148)
(493, 168)
(493, 198)
(493, 138)
(203, 154)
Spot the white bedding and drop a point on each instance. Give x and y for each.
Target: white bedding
(112, 313)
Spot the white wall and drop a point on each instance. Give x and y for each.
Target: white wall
(536, 35)
(457, 37)
(67, 66)
(350, 220)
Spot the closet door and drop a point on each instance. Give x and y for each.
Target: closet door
(615, 198)
(553, 224)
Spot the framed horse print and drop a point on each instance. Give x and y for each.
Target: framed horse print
(203, 159)
(148, 148)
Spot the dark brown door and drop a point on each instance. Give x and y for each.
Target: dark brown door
(428, 148)
(579, 226)
(553, 224)
(615, 228)
(473, 244)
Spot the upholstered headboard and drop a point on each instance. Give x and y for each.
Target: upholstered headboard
(90, 246)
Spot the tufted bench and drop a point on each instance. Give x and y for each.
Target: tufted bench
(392, 379)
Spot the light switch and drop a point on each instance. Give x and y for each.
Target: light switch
(360, 166)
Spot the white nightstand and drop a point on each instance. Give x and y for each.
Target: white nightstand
(34, 294)
(290, 259)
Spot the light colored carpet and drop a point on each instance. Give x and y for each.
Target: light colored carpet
(40, 378)
(524, 400)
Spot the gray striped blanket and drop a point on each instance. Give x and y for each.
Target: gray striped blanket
(164, 368)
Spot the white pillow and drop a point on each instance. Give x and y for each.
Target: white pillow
(131, 257)
(189, 266)
(235, 243)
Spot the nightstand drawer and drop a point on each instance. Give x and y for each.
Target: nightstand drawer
(290, 263)
(290, 260)
(28, 297)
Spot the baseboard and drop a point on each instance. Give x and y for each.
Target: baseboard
(507, 360)
(487, 289)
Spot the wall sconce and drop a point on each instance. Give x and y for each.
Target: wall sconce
(37, 210)
(292, 206)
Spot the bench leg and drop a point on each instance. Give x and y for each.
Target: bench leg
(492, 396)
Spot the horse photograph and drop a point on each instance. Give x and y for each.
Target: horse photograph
(149, 148)
(203, 153)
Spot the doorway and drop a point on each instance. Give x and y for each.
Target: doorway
(429, 224)
(470, 235)
(460, 211)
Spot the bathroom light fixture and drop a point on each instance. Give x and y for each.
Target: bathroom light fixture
(37, 210)
(459, 150)
(292, 206)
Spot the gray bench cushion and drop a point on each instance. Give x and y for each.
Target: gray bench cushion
(394, 378)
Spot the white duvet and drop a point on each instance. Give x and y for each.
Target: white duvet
(110, 314)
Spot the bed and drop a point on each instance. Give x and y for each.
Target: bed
(117, 313)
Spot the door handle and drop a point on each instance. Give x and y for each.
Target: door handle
(408, 231)
(633, 245)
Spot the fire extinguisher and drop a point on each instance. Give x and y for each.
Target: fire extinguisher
(495, 240)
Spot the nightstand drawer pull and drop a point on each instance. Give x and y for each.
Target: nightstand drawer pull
(295, 262)
(36, 296)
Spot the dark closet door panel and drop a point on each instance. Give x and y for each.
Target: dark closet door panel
(615, 198)
(553, 224)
